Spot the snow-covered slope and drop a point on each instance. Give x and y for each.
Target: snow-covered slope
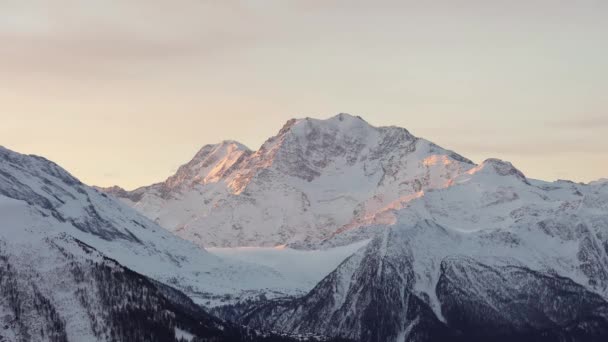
(57, 288)
(310, 180)
(494, 256)
(38, 199)
(306, 267)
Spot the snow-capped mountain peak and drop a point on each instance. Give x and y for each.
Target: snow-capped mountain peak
(493, 167)
(310, 179)
(341, 123)
(210, 164)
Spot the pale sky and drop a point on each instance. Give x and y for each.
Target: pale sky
(124, 91)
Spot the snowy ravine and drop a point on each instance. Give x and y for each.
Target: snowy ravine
(312, 179)
(306, 267)
(493, 257)
(38, 199)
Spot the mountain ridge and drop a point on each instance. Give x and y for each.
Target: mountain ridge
(37, 197)
(313, 166)
(447, 249)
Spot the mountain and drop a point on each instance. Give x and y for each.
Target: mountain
(61, 289)
(493, 256)
(40, 200)
(310, 180)
(77, 265)
(445, 250)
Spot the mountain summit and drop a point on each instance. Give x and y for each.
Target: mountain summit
(302, 185)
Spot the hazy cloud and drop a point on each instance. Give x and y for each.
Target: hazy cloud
(582, 122)
(64, 37)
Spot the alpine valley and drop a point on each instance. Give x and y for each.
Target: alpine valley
(332, 230)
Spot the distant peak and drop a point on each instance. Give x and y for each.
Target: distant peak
(229, 145)
(109, 188)
(233, 142)
(114, 190)
(499, 167)
(346, 117)
(338, 121)
(600, 181)
(287, 126)
(341, 119)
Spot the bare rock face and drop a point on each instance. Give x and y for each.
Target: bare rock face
(315, 177)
